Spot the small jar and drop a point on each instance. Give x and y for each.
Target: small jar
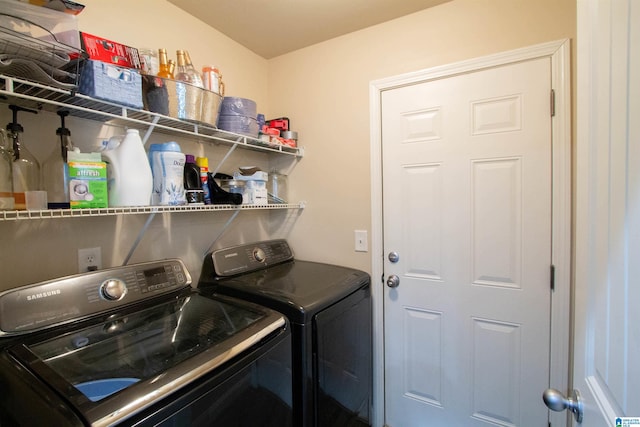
(277, 188)
(149, 62)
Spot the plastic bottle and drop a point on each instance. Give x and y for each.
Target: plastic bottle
(193, 182)
(26, 169)
(167, 167)
(211, 78)
(130, 180)
(55, 171)
(203, 163)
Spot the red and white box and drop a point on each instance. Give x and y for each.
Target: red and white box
(101, 49)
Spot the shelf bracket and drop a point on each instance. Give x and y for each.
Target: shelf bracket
(224, 159)
(139, 238)
(149, 131)
(222, 231)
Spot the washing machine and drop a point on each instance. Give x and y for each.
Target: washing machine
(139, 346)
(330, 312)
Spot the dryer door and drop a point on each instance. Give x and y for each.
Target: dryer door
(343, 346)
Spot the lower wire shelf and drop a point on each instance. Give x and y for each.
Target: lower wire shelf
(74, 213)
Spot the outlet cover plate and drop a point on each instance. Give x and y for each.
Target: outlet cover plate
(89, 259)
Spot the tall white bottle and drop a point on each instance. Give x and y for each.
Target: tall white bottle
(130, 181)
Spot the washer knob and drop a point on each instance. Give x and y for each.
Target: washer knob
(259, 255)
(113, 289)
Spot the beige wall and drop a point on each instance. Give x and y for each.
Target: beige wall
(36, 250)
(323, 89)
(158, 23)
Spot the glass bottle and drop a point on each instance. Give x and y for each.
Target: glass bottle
(164, 70)
(186, 72)
(55, 171)
(7, 202)
(195, 74)
(26, 169)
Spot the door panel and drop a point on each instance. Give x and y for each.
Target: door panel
(467, 205)
(606, 363)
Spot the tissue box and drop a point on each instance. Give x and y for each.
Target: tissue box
(111, 83)
(87, 181)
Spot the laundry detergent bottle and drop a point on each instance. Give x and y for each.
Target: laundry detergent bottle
(167, 167)
(129, 177)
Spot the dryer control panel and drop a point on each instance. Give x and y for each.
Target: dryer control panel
(250, 257)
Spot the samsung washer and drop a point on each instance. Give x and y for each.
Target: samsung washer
(137, 345)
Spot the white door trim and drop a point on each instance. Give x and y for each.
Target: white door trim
(559, 52)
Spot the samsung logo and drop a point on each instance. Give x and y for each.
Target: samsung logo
(231, 255)
(41, 295)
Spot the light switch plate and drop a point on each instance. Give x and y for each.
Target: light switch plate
(362, 243)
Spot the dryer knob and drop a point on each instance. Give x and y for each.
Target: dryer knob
(259, 255)
(113, 289)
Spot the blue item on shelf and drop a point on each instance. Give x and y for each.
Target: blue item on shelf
(234, 106)
(239, 124)
(109, 82)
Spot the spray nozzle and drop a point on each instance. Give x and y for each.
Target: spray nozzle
(62, 130)
(15, 127)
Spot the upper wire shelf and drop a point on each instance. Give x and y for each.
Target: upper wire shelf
(37, 96)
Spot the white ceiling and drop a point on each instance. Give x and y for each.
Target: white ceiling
(274, 27)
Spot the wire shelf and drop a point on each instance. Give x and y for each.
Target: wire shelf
(37, 96)
(76, 213)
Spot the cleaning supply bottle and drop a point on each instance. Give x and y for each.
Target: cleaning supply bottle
(203, 163)
(26, 170)
(130, 181)
(55, 171)
(167, 168)
(193, 182)
(7, 202)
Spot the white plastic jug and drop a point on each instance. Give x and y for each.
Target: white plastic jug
(130, 181)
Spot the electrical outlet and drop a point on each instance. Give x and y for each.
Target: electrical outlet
(362, 245)
(89, 259)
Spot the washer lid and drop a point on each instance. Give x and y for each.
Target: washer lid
(149, 353)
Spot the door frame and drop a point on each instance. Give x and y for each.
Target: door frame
(559, 53)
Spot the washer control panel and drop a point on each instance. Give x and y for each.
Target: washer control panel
(113, 289)
(35, 307)
(250, 257)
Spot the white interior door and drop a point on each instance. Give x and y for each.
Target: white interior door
(467, 208)
(607, 280)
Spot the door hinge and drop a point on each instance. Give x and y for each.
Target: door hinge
(552, 279)
(553, 103)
